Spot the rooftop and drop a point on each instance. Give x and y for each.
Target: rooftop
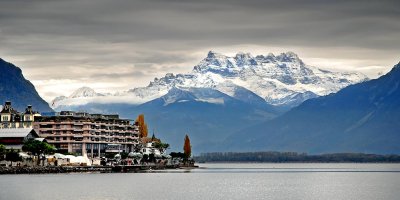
(16, 132)
(59, 116)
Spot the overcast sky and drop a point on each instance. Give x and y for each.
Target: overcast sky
(122, 44)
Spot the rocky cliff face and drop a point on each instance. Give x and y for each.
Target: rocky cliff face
(14, 87)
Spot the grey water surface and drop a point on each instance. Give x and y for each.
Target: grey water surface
(215, 181)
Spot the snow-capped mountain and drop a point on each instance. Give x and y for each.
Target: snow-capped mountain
(219, 96)
(80, 96)
(360, 118)
(85, 92)
(282, 80)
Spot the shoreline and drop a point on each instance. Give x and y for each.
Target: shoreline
(51, 170)
(83, 169)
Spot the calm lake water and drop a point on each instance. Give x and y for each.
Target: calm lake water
(215, 181)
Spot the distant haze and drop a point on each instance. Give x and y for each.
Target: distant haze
(122, 44)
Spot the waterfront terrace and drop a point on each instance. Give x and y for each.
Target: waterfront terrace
(91, 134)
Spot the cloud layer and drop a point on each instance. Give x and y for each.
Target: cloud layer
(121, 44)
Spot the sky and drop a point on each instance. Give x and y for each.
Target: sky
(122, 44)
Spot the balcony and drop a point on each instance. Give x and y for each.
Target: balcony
(75, 138)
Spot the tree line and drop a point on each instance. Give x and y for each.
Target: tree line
(282, 157)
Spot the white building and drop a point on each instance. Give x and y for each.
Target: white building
(149, 148)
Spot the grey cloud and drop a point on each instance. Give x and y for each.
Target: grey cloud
(117, 76)
(220, 21)
(64, 38)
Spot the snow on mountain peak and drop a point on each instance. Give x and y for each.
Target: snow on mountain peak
(212, 54)
(214, 62)
(278, 79)
(84, 92)
(289, 57)
(243, 55)
(245, 59)
(219, 63)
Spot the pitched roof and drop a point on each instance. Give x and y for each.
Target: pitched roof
(149, 140)
(16, 132)
(41, 139)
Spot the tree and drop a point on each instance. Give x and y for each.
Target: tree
(143, 131)
(152, 158)
(2, 151)
(37, 147)
(145, 158)
(187, 148)
(124, 155)
(161, 146)
(13, 156)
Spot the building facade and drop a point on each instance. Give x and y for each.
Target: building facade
(14, 138)
(11, 118)
(90, 134)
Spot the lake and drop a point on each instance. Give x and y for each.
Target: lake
(215, 181)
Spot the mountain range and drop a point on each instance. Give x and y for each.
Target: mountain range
(283, 81)
(21, 92)
(359, 118)
(220, 96)
(223, 105)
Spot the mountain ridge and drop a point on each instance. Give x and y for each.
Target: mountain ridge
(360, 118)
(282, 80)
(20, 91)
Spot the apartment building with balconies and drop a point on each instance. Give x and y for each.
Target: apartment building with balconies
(90, 134)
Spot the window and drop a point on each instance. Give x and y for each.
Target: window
(5, 118)
(76, 146)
